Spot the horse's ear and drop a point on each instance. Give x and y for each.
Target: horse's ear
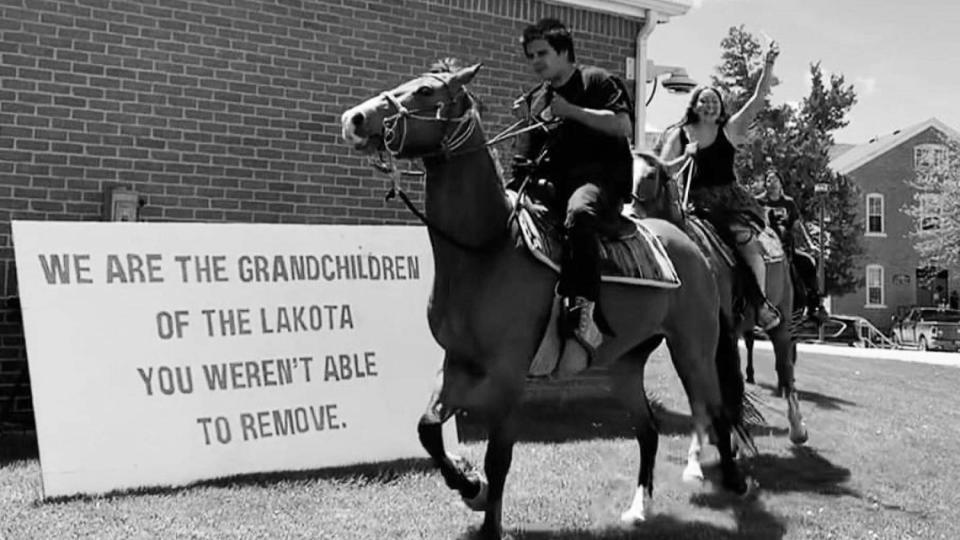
(465, 75)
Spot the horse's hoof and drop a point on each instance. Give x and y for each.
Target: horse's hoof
(799, 436)
(751, 487)
(741, 486)
(634, 517)
(693, 474)
(750, 379)
(478, 503)
(485, 533)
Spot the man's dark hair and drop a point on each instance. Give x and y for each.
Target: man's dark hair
(553, 32)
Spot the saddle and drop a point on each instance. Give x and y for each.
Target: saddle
(705, 235)
(630, 253)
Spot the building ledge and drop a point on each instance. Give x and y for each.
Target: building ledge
(874, 306)
(875, 234)
(633, 8)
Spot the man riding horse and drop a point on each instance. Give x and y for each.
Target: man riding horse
(586, 158)
(784, 218)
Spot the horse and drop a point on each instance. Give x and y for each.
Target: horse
(807, 300)
(655, 195)
(491, 300)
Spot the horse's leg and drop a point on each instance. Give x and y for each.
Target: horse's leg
(693, 472)
(733, 479)
(502, 436)
(627, 386)
(695, 365)
(453, 469)
(748, 342)
(785, 351)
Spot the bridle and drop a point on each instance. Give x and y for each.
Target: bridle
(456, 132)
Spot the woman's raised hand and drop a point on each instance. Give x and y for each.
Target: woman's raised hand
(772, 54)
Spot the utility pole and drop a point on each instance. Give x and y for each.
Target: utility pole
(822, 189)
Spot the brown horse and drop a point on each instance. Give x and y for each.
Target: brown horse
(491, 300)
(651, 198)
(807, 300)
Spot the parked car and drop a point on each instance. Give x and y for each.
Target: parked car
(934, 329)
(844, 329)
(850, 330)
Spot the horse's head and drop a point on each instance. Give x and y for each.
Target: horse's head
(429, 115)
(654, 194)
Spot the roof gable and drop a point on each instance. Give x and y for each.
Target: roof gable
(860, 155)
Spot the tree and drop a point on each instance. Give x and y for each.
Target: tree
(796, 141)
(936, 206)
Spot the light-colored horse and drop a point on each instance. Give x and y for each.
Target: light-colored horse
(491, 301)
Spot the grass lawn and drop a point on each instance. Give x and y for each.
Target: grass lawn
(881, 463)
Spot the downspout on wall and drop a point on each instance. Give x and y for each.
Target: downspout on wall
(640, 88)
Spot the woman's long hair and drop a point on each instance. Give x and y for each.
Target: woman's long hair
(690, 115)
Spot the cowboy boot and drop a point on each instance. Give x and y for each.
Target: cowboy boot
(580, 349)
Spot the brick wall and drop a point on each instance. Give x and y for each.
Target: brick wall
(14, 384)
(227, 110)
(889, 175)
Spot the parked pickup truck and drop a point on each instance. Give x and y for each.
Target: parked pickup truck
(934, 329)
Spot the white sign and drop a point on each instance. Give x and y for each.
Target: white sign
(166, 353)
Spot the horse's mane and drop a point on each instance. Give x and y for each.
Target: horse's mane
(651, 157)
(450, 64)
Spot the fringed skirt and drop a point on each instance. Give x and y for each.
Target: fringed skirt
(731, 207)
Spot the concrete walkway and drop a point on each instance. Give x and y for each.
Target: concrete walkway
(921, 357)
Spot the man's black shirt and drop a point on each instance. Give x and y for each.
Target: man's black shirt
(577, 154)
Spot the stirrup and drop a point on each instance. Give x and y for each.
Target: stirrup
(580, 348)
(768, 316)
(585, 330)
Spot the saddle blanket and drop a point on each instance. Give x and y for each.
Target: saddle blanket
(636, 257)
(770, 246)
(705, 235)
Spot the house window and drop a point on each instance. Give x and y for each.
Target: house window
(874, 213)
(929, 156)
(874, 285)
(929, 212)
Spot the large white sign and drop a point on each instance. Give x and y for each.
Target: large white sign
(165, 353)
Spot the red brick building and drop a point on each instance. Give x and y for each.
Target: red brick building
(884, 168)
(227, 110)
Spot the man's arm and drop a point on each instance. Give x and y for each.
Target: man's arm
(613, 123)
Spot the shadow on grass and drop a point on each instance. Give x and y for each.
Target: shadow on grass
(380, 473)
(804, 470)
(820, 400)
(577, 419)
(17, 445)
(753, 521)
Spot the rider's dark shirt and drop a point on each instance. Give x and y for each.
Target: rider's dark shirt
(577, 154)
(713, 163)
(782, 213)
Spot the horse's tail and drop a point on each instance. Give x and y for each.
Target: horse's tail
(738, 404)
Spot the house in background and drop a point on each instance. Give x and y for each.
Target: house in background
(884, 168)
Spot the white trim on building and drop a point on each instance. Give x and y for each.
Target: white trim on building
(636, 9)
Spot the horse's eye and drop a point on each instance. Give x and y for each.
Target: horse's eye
(425, 91)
